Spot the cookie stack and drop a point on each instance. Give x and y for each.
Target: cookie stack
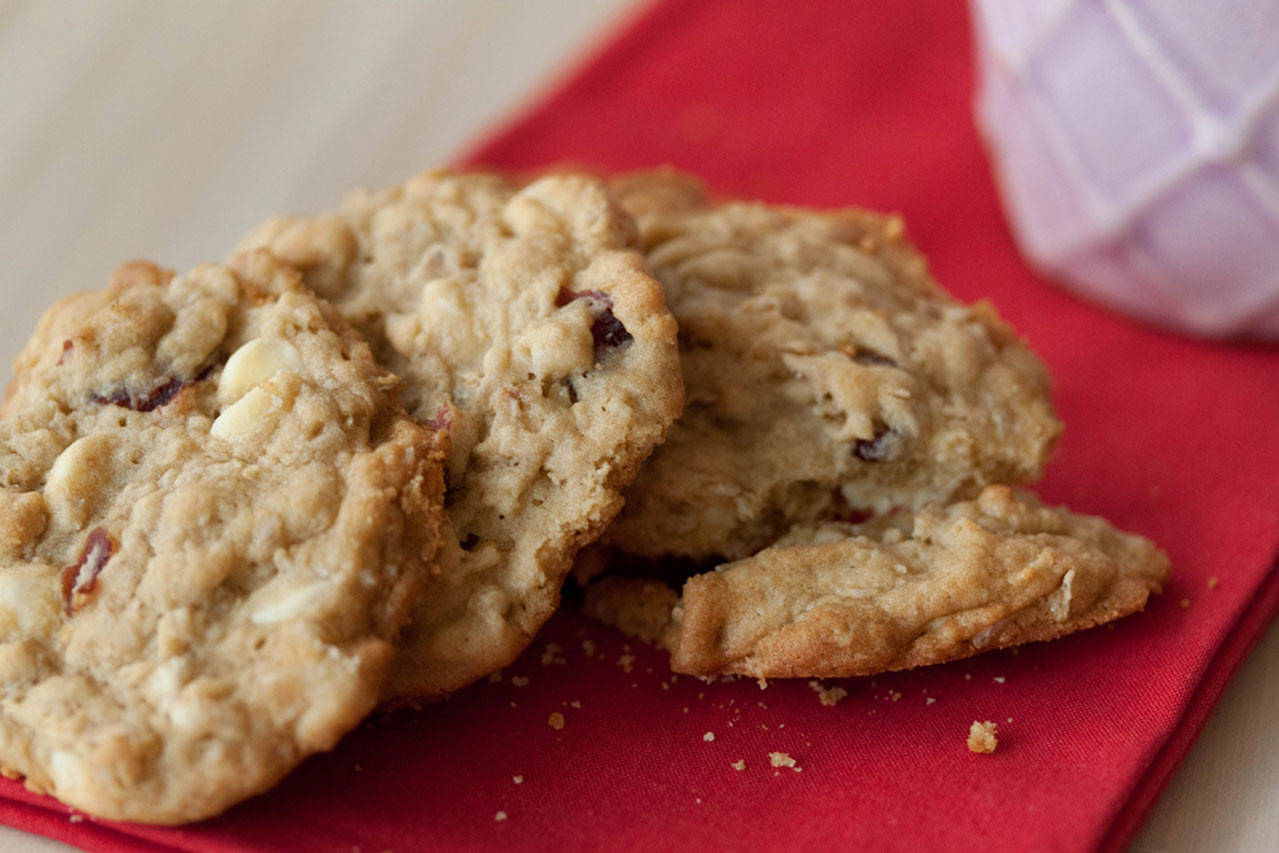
(241, 507)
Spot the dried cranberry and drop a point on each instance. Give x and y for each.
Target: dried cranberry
(162, 395)
(153, 399)
(882, 448)
(443, 420)
(606, 329)
(119, 397)
(80, 581)
(67, 346)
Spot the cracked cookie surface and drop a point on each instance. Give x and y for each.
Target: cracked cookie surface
(524, 321)
(214, 520)
(905, 590)
(827, 375)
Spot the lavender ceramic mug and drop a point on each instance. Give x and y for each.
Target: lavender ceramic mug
(1136, 144)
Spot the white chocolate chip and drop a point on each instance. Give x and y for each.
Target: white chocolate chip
(185, 712)
(1059, 601)
(559, 347)
(164, 682)
(254, 363)
(243, 415)
(67, 771)
(29, 605)
(77, 479)
(291, 604)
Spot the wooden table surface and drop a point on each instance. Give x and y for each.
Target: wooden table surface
(159, 129)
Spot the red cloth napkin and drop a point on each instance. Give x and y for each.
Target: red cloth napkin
(832, 103)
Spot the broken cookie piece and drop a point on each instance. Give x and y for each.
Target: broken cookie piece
(906, 590)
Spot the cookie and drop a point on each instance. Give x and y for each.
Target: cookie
(214, 519)
(907, 590)
(827, 375)
(524, 321)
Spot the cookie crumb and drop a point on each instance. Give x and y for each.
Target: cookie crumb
(551, 655)
(999, 679)
(828, 696)
(518, 780)
(626, 662)
(981, 737)
(763, 683)
(782, 759)
(1185, 603)
(739, 764)
(1212, 583)
(708, 737)
(499, 817)
(495, 677)
(555, 721)
(968, 676)
(76, 818)
(576, 703)
(519, 680)
(588, 647)
(930, 700)
(894, 695)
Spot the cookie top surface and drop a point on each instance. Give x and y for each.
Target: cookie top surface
(906, 590)
(826, 373)
(214, 519)
(525, 321)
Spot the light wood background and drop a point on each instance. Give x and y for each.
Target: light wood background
(166, 128)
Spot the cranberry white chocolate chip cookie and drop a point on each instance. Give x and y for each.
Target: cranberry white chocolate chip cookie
(905, 590)
(526, 323)
(214, 519)
(827, 374)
